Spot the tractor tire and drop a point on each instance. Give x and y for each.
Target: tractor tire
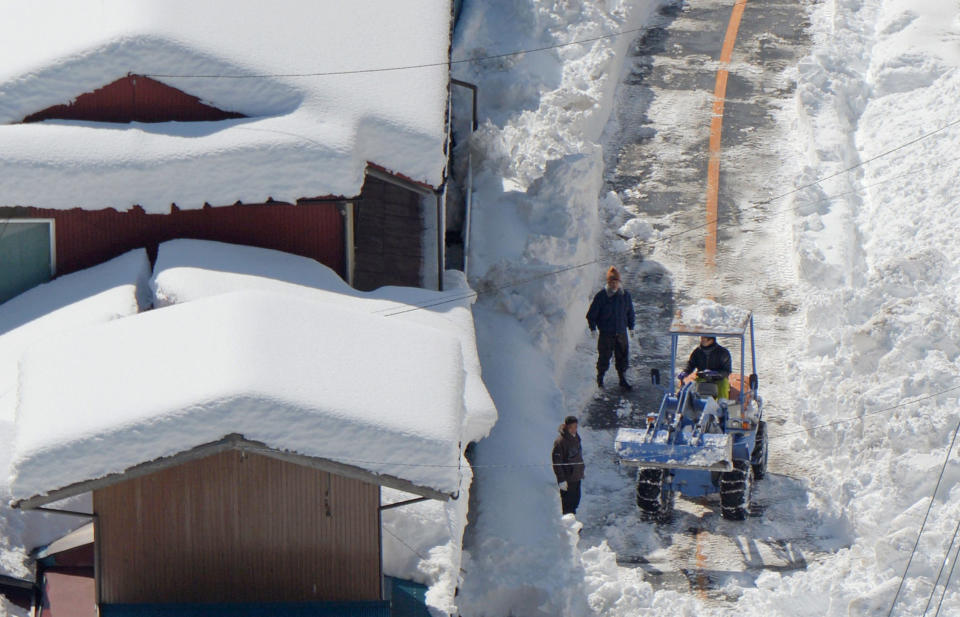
(736, 490)
(654, 495)
(758, 458)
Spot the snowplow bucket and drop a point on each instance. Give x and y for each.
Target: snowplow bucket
(638, 448)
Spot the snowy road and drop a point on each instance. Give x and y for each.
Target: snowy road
(656, 155)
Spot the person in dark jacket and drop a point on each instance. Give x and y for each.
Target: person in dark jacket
(568, 465)
(611, 312)
(710, 356)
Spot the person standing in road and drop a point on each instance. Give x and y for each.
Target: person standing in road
(611, 312)
(568, 465)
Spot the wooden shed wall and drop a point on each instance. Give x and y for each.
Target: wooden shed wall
(85, 238)
(388, 229)
(241, 528)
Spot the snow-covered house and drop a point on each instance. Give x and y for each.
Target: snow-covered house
(236, 461)
(240, 442)
(286, 125)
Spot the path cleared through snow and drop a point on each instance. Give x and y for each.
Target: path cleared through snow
(664, 153)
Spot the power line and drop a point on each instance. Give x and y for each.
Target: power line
(943, 564)
(946, 583)
(619, 254)
(923, 525)
(407, 66)
(512, 465)
(864, 415)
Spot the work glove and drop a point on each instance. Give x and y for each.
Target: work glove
(682, 375)
(563, 486)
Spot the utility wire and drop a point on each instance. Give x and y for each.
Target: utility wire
(864, 415)
(943, 564)
(392, 311)
(508, 54)
(475, 467)
(923, 525)
(946, 583)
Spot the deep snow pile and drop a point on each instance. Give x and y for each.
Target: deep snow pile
(307, 135)
(538, 178)
(882, 306)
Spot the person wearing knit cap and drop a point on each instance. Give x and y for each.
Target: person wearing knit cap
(568, 465)
(611, 313)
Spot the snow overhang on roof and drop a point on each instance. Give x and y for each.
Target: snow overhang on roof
(307, 135)
(350, 392)
(709, 317)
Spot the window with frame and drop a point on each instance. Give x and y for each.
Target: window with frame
(27, 255)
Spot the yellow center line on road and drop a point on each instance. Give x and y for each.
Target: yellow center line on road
(716, 130)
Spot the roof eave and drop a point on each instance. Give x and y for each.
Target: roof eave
(233, 441)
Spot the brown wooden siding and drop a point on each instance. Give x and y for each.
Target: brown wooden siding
(134, 98)
(388, 231)
(86, 238)
(241, 528)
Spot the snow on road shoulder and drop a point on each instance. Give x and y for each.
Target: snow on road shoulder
(538, 175)
(882, 308)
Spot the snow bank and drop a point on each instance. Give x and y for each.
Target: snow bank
(538, 175)
(297, 375)
(882, 305)
(306, 136)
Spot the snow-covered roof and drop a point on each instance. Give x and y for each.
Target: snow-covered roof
(301, 377)
(111, 290)
(709, 317)
(306, 136)
(188, 270)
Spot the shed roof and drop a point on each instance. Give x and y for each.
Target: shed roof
(295, 378)
(299, 70)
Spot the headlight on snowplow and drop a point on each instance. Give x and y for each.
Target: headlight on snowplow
(738, 424)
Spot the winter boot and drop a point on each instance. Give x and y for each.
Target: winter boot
(623, 383)
(600, 380)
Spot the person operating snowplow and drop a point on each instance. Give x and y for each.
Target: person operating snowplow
(712, 363)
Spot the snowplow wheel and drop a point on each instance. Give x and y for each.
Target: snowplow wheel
(654, 495)
(736, 488)
(758, 458)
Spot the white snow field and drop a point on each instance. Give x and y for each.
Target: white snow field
(874, 249)
(306, 135)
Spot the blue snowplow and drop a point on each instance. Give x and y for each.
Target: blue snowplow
(700, 443)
